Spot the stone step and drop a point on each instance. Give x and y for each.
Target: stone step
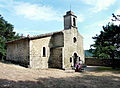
(69, 70)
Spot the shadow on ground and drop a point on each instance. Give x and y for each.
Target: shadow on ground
(86, 81)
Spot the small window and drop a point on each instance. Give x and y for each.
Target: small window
(70, 59)
(44, 52)
(74, 23)
(74, 39)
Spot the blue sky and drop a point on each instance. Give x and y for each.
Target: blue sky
(36, 17)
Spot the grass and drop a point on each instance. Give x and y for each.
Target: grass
(102, 68)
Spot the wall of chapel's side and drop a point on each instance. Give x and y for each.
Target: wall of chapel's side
(57, 40)
(70, 47)
(56, 45)
(80, 48)
(56, 58)
(36, 52)
(18, 52)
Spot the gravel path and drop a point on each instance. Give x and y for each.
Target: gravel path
(13, 76)
(91, 68)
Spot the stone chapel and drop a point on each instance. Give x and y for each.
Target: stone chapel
(61, 49)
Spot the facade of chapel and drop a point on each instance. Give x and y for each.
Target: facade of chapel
(62, 49)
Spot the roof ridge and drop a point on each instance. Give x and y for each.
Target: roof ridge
(36, 36)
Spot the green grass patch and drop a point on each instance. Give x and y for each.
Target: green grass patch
(102, 68)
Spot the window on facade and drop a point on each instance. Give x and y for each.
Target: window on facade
(70, 59)
(74, 23)
(44, 52)
(74, 39)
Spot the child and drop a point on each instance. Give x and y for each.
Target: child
(76, 70)
(79, 67)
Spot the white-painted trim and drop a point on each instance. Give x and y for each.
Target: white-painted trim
(30, 49)
(74, 52)
(63, 64)
(73, 58)
(72, 61)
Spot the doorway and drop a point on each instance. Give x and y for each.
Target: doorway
(75, 58)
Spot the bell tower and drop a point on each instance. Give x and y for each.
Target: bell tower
(70, 20)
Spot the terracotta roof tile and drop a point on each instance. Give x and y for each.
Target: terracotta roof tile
(35, 36)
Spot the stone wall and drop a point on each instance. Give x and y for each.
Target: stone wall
(37, 60)
(36, 50)
(101, 62)
(18, 52)
(56, 58)
(93, 61)
(56, 44)
(57, 40)
(71, 47)
(59, 48)
(80, 48)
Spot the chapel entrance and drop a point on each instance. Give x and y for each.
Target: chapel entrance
(75, 58)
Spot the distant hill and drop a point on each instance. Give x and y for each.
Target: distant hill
(88, 53)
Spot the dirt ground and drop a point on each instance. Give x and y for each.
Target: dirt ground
(14, 76)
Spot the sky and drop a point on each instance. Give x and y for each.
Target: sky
(35, 17)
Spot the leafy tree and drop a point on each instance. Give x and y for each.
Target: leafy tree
(6, 34)
(107, 44)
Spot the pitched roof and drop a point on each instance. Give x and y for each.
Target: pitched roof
(23, 38)
(36, 36)
(44, 35)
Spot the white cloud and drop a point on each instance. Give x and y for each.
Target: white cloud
(30, 32)
(87, 40)
(8, 4)
(99, 5)
(31, 11)
(37, 12)
(97, 25)
(1, 5)
(117, 12)
(90, 2)
(26, 32)
(95, 28)
(92, 30)
(80, 18)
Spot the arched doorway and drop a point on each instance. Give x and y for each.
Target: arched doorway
(75, 58)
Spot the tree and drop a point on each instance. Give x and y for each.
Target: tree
(116, 17)
(107, 44)
(6, 34)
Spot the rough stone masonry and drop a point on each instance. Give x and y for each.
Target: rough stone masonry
(62, 49)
